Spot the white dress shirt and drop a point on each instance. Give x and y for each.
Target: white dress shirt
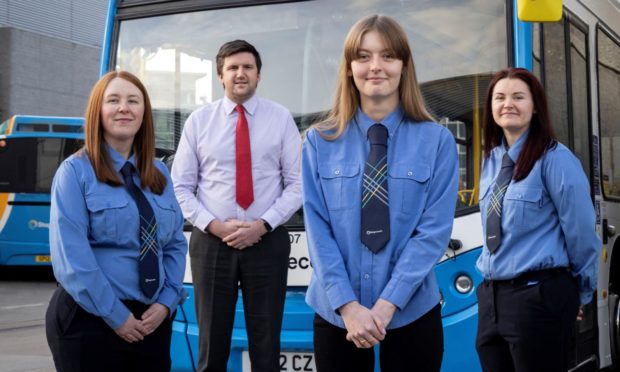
(204, 170)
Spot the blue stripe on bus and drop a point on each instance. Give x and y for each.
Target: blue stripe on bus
(48, 120)
(107, 38)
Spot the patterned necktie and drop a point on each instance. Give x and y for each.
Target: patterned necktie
(494, 210)
(243, 156)
(375, 232)
(148, 265)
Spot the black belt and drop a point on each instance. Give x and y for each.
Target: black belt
(528, 276)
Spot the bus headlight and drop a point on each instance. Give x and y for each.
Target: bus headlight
(463, 284)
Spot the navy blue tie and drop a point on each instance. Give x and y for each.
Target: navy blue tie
(375, 232)
(148, 265)
(494, 210)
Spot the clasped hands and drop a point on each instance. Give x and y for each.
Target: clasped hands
(367, 327)
(134, 330)
(238, 234)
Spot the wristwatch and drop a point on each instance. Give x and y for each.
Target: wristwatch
(267, 226)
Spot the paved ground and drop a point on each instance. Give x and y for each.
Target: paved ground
(24, 295)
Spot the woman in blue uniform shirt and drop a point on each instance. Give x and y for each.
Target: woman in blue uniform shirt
(541, 251)
(120, 270)
(377, 228)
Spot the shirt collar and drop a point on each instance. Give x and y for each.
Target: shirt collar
(391, 121)
(249, 105)
(515, 150)
(118, 160)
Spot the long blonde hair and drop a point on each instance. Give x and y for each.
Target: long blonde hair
(347, 99)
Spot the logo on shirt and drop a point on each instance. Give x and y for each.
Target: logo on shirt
(147, 280)
(371, 232)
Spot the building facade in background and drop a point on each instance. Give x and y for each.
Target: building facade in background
(50, 53)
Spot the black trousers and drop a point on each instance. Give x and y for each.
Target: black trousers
(218, 271)
(525, 324)
(80, 341)
(418, 346)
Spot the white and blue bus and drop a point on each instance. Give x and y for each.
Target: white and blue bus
(31, 149)
(457, 45)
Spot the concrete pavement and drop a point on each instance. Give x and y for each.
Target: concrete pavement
(24, 296)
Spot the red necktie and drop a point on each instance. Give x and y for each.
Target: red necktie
(245, 190)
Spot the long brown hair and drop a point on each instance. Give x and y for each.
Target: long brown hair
(541, 136)
(143, 143)
(347, 99)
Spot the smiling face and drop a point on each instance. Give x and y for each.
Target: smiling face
(512, 107)
(376, 71)
(122, 112)
(239, 76)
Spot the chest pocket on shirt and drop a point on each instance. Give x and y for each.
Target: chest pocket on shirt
(337, 181)
(524, 204)
(408, 184)
(106, 213)
(483, 199)
(484, 192)
(165, 215)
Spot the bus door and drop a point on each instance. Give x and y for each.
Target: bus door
(608, 90)
(560, 55)
(577, 61)
(27, 166)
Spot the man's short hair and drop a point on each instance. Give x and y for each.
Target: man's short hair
(234, 47)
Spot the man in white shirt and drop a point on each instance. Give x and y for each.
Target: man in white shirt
(236, 177)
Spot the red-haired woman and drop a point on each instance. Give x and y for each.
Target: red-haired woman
(116, 241)
(541, 249)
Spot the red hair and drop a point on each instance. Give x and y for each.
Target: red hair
(143, 143)
(541, 136)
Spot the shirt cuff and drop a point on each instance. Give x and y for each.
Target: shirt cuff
(272, 218)
(171, 299)
(203, 220)
(119, 315)
(340, 295)
(400, 298)
(585, 297)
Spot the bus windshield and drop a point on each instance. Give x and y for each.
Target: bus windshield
(28, 164)
(456, 44)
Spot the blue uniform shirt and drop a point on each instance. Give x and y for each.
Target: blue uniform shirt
(547, 219)
(422, 184)
(95, 245)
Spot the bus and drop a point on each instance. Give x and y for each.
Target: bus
(31, 149)
(457, 45)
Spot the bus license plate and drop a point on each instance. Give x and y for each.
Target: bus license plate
(289, 361)
(41, 259)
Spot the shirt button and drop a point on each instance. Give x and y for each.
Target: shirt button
(410, 173)
(337, 172)
(366, 276)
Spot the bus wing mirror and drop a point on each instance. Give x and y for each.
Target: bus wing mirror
(539, 10)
